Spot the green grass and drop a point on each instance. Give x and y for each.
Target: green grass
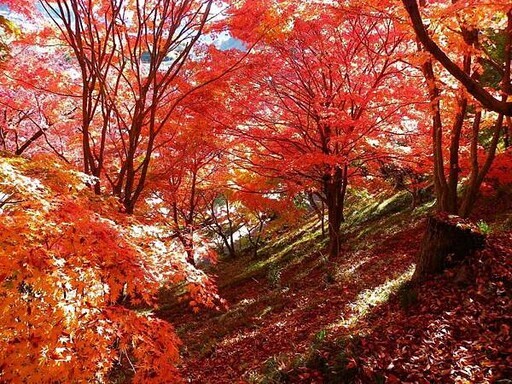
(290, 248)
(366, 215)
(370, 298)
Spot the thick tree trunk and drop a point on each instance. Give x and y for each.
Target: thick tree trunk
(335, 187)
(334, 240)
(448, 239)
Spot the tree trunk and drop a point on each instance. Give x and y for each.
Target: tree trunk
(322, 220)
(189, 248)
(334, 240)
(448, 239)
(335, 187)
(227, 243)
(320, 211)
(230, 246)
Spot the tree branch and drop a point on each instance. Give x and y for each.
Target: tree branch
(472, 86)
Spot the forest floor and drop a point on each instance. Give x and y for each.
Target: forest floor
(295, 316)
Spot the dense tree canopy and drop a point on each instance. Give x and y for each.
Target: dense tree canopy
(136, 135)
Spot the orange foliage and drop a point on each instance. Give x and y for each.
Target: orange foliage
(64, 270)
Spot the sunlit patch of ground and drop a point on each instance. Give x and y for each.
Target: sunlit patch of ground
(281, 302)
(370, 298)
(295, 316)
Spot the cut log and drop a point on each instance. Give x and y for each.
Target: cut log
(449, 239)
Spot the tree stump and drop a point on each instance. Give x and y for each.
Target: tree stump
(449, 239)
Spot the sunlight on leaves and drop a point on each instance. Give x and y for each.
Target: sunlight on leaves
(370, 298)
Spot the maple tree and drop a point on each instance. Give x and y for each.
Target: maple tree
(473, 86)
(183, 182)
(33, 121)
(64, 268)
(318, 119)
(131, 58)
(222, 219)
(14, 114)
(245, 214)
(411, 178)
(462, 159)
(37, 94)
(472, 59)
(314, 102)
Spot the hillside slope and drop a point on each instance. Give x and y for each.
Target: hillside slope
(296, 317)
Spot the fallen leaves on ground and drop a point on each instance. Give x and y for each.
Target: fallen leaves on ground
(453, 328)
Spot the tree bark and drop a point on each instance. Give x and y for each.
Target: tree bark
(472, 86)
(448, 239)
(335, 187)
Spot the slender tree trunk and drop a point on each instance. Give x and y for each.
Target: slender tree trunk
(322, 219)
(30, 141)
(256, 244)
(226, 234)
(184, 235)
(451, 203)
(231, 230)
(189, 245)
(229, 246)
(320, 211)
(477, 175)
(440, 184)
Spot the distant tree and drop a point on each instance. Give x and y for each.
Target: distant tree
(223, 220)
(184, 179)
